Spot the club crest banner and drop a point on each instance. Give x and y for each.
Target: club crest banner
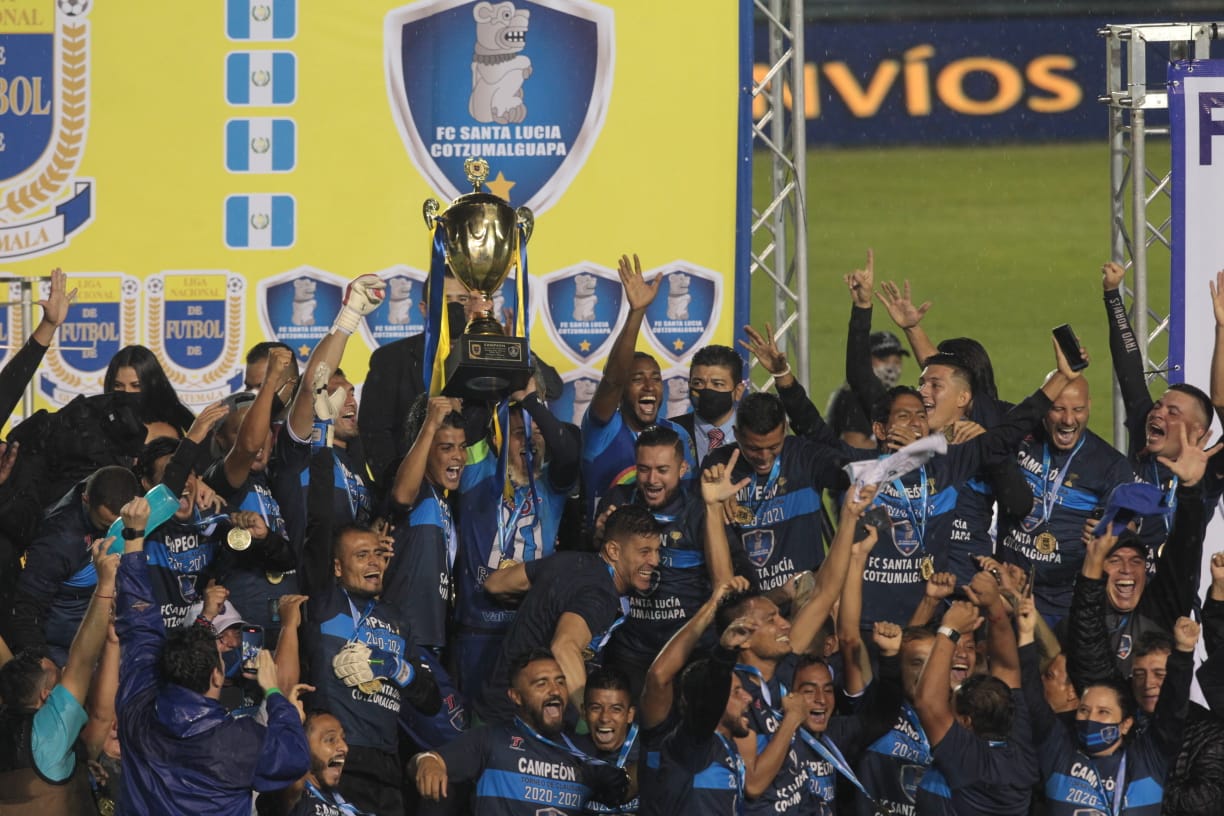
(217, 178)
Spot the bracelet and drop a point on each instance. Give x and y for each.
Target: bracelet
(273, 690)
(783, 373)
(433, 754)
(130, 535)
(99, 595)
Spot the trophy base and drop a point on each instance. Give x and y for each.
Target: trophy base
(486, 367)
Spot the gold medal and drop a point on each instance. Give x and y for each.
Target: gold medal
(506, 563)
(588, 654)
(238, 539)
(1046, 543)
(274, 577)
(927, 568)
(742, 515)
(370, 686)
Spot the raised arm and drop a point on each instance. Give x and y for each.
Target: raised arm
(659, 691)
(20, 368)
(908, 318)
(717, 487)
(1172, 707)
(934, 699)
(138, 622)
(804, 416)
(362, 296)
(288, 656)
(411, 473)
(1217, 354)
(640, 295)
(101, 700)
(253, 430)
(1124, 350)
(91, 635)
(763, 767)
(862, 380)
(849, 621)
(832, 573)
(1042, 717)
(562, 441)
(571, 636)
(939, 587)
(983, 590)
(1089, 654)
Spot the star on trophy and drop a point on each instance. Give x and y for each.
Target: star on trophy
(482, 238)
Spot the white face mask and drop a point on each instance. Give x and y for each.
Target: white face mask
(888, 374)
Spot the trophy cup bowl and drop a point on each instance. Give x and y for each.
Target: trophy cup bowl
(479, 232)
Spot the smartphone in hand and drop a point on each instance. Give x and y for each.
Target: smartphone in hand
(1064, 335)
(252, 643)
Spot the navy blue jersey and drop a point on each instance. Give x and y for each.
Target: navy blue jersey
(972, 775)
(516, 773)
(970, 536)
(333, 620)
(790, 791)
(290, 478)
(844, 732)
(492, 527)
(579, 583)
(1071, 494)
(626, 757)
(178, 552)
(784, 536)
(317, 802)
(418, 579)
(681, 581)
(254, 495)
(687, 773)
(609, 457)
(892, 767)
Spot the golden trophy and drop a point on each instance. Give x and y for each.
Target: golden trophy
(481, 235)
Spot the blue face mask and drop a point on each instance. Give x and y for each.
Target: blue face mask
(1095, 737)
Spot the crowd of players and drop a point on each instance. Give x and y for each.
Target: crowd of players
(935, 602)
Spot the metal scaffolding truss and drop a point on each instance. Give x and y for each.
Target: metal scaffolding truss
(1134, 184)
(779, 220)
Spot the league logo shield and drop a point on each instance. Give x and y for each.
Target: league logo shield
(100, 321)
(683, 314)
(584, 305)
(195, 326)
(297, 307)
(911, 778)
(759, 545)
(577, 391)
(525, 85)
(401, 316)
(43, 121)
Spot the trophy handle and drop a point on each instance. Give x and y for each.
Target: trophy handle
(526, 220)
(430, 211)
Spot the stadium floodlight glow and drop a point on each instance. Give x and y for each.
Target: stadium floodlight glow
(779, 225)
(1132, 180)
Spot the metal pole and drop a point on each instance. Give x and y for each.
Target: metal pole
(801, 351)
(27, 325)
(1117, 210)
(777, 133)
(1139, 306)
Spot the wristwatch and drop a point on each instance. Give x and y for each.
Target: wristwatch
(950, 633)
(130, 535)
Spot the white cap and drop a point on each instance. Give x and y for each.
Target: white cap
(227, 617)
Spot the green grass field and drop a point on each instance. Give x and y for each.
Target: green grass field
(1006, 241)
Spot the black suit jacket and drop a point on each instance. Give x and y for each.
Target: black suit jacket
(396, 378)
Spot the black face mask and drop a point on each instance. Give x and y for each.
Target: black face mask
(711, 405)
(456, 317)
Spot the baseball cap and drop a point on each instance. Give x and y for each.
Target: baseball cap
(227, 617)
(885, 343)
(1127, 501)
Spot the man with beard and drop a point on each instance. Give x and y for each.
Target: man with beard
(1156, 429)
(692, 525)
(1115, 603)
(318, 792)
(324, 413)
(1070, 471)
(510, 511)
(576, 600)
(716, 384)
(358, 652)
(525, 765)
(627, 398)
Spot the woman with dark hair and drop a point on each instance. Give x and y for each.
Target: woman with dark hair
(136, 369)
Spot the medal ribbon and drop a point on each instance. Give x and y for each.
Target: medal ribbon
(599, 641)
(741, 770)
(1050, 498)
(334, 799)
(1114, 803)
(507, 529)
(770, 486)
(766, 694)
(358, 621)
(830, 754)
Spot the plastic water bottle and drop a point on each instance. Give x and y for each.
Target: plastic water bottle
(162, 505)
